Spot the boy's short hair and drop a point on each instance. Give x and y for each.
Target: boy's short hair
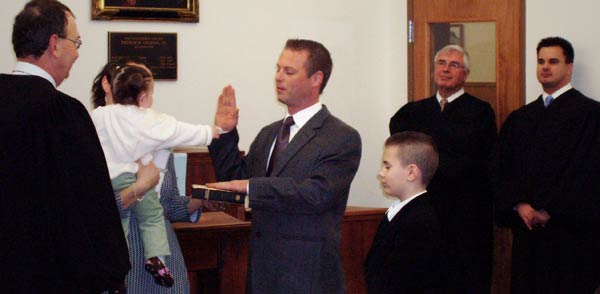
(416, 148)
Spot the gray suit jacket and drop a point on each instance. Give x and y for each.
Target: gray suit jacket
(297, 212)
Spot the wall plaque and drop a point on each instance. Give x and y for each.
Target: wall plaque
(157, 50)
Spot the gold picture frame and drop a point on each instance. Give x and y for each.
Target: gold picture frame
(146, 10)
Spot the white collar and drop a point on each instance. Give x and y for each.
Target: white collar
(399, 204)
(558, 92)
(303, 116)
(451, 97)
(30, 69)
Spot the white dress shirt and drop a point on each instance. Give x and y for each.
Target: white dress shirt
(558, 92)
(399, 204)
(451, 97)
(29, 69)
(300, 119)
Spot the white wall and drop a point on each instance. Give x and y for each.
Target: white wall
(574, 21)
(238, 42)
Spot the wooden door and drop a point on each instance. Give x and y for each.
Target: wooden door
(509, 17)
(508, 89)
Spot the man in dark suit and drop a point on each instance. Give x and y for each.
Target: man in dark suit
(464, 129)
(547, 171)
(297, 193)
(60, 228)
(405, 256)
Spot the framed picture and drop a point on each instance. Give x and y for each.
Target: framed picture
(157, 50)
(161, 10)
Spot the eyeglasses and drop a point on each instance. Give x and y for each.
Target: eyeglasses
(77, 42)
(453, 64)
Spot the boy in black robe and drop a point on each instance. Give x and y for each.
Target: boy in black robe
(406, 255)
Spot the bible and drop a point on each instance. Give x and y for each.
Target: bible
(212, 194)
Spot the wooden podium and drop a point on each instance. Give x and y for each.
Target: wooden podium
(216, 248)
(216, 252)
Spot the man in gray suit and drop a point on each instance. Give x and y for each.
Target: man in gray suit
(298, 191)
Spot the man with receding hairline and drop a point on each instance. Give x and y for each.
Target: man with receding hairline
(61, 230)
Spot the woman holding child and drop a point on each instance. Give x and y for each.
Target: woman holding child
(129, 85)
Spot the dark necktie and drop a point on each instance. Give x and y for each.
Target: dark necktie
(283, 138)
(443, 103)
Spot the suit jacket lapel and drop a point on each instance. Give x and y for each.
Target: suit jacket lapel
(270, 133)
(304, 135)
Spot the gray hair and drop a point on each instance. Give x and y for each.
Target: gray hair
(456, 48)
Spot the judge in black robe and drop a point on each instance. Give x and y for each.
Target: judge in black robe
(460, 190)
(61, 230)
(548, 159)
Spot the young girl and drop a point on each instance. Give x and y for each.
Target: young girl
(129, 130)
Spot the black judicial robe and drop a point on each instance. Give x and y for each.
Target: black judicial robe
(460, 190)
(405, 255)
(60, 228)
(550, 158)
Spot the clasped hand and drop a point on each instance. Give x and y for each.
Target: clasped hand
(531, 217)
